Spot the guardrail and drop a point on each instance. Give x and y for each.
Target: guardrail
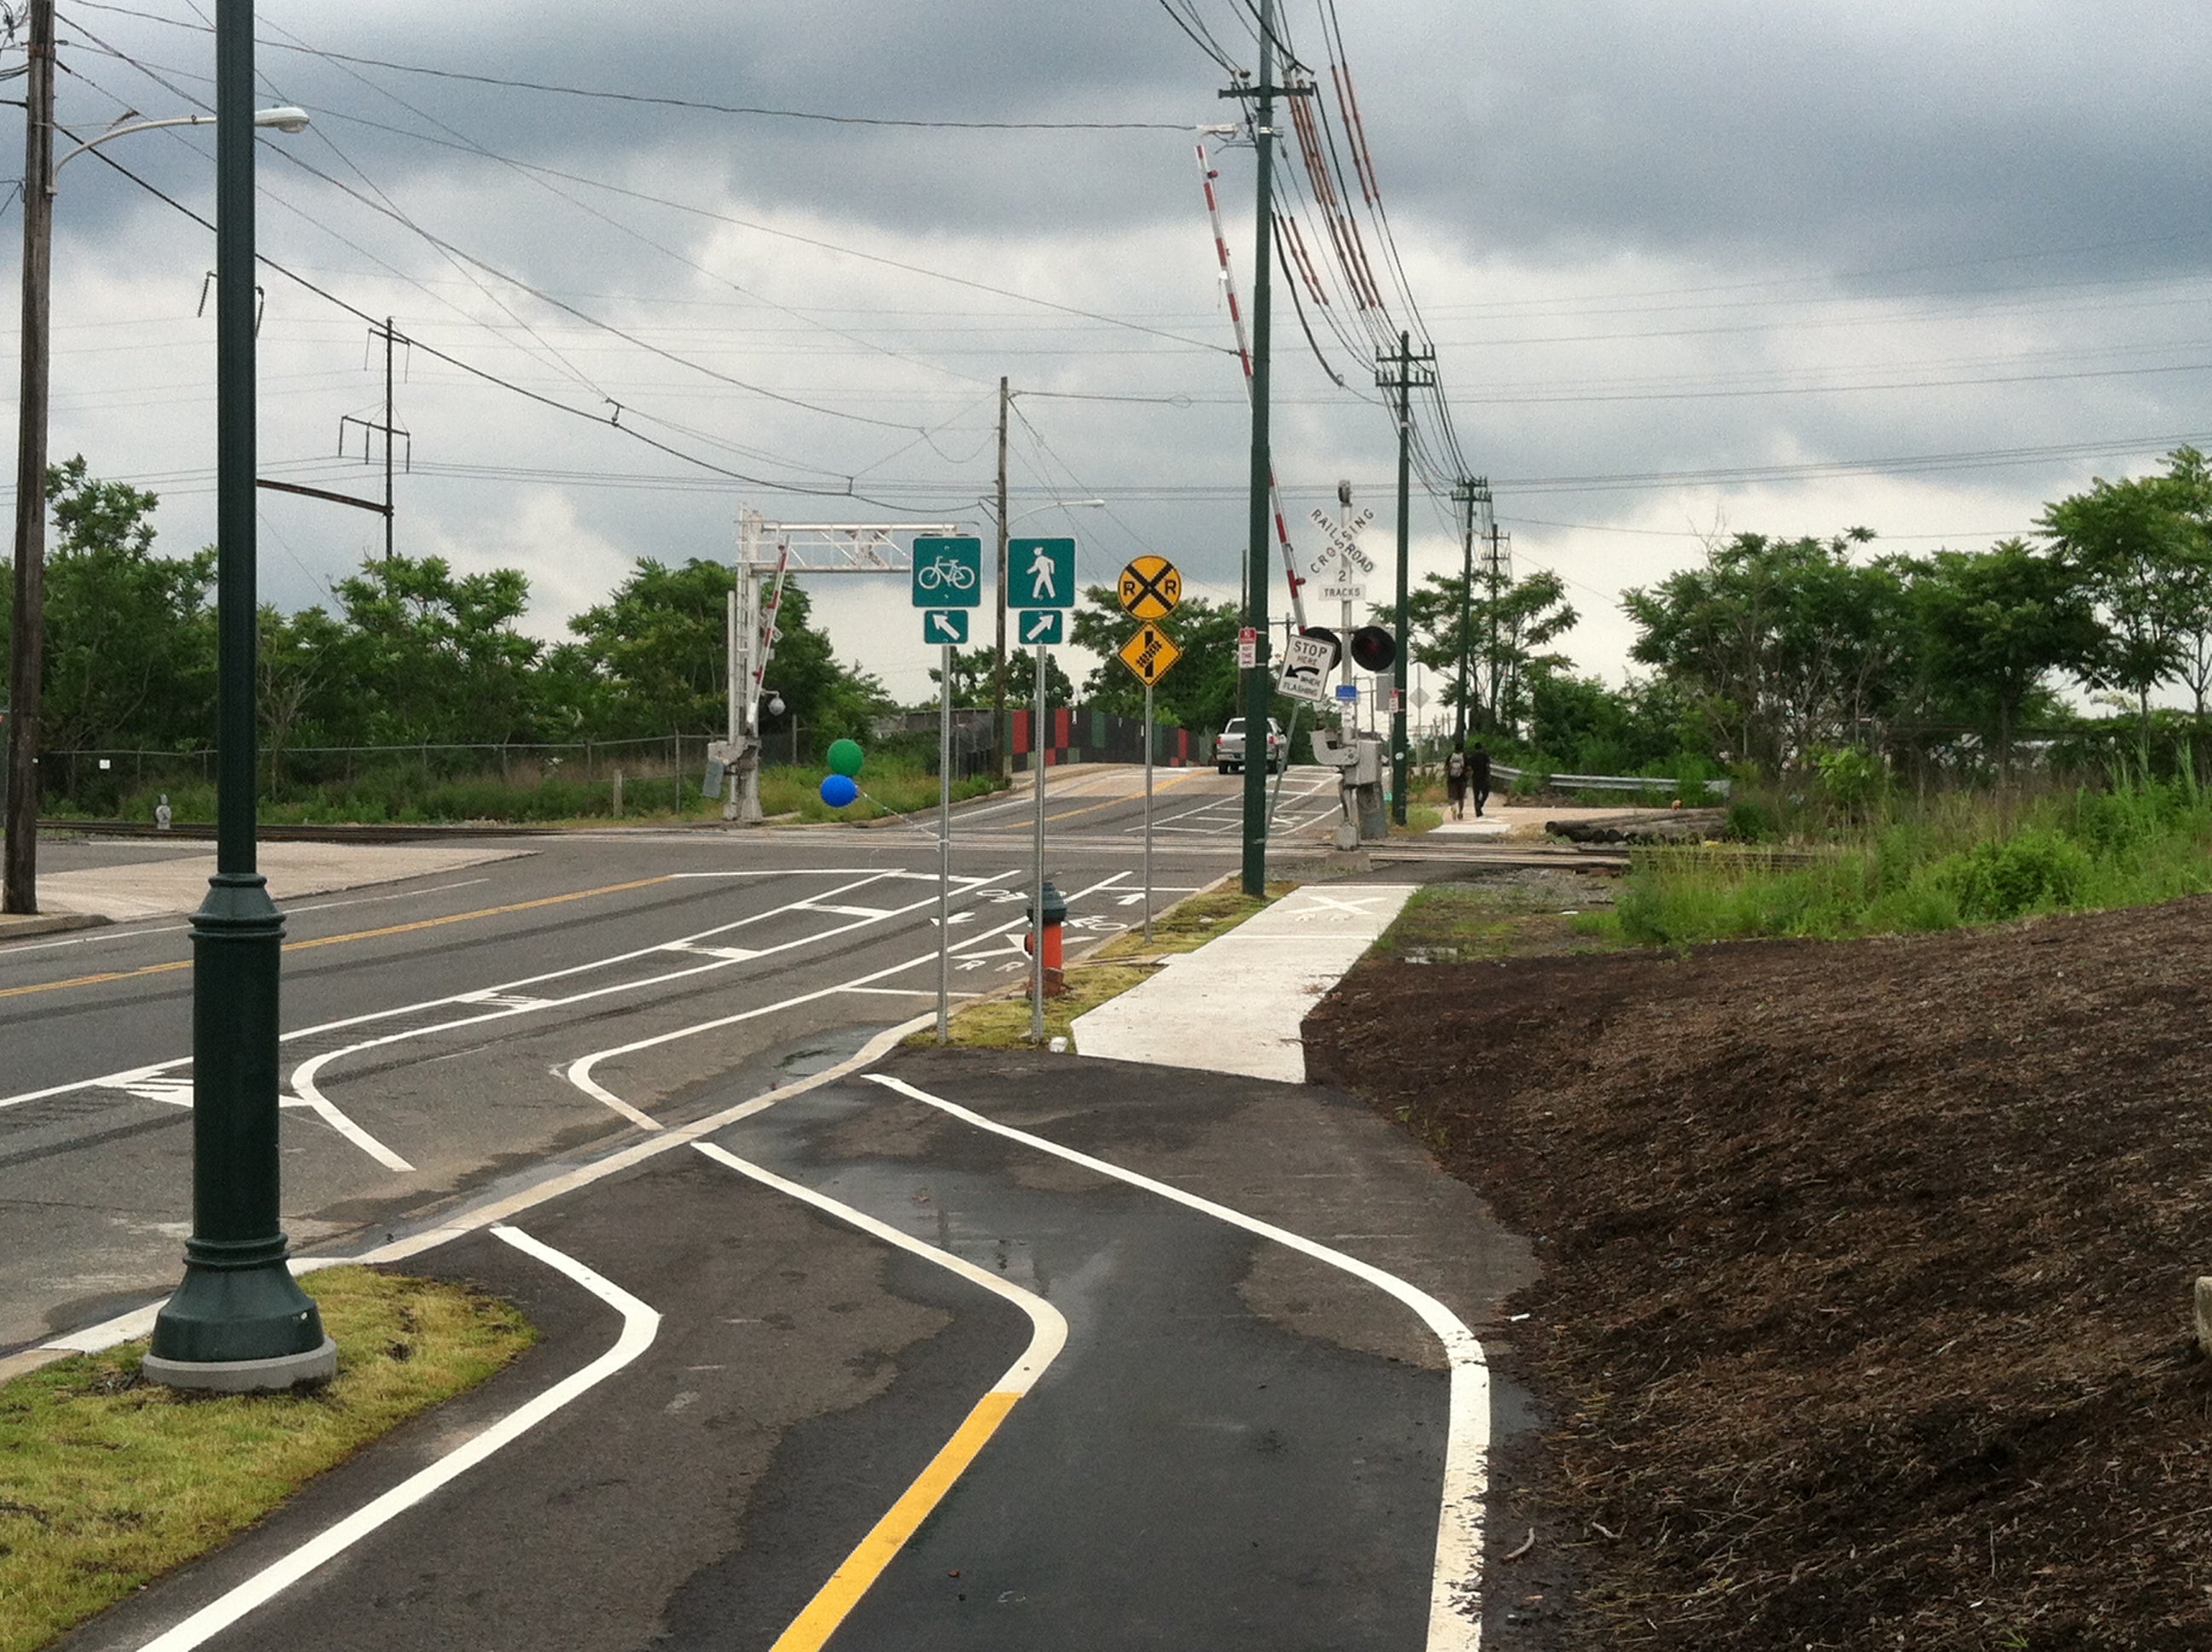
(1608, 782)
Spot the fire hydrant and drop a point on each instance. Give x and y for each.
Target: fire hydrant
(1055, 914)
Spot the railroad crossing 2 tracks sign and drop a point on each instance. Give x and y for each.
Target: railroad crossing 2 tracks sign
(1151, 589)
(1150, 653)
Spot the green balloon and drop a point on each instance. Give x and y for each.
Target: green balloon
(844, 757)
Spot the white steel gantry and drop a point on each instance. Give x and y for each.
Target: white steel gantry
(769, 553)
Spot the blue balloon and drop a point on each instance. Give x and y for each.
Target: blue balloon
(838, 790)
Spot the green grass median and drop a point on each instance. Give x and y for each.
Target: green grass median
(108, 1480)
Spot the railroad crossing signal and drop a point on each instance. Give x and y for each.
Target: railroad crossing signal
(1151, 588)
(1042, 625)
(948, 573)
(1040, 573)
(1150, 653)
(944, 625)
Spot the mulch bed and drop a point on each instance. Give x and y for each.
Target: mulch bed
(1865, 1315)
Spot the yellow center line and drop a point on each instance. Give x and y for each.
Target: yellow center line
(837, 1597)
(335, 941)
(1185, 780)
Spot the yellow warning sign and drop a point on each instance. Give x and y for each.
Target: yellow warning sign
(1150, 652)
(1151, 588)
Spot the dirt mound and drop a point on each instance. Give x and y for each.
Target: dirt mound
(1865, 1318)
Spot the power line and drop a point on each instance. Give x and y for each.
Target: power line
(659, 101)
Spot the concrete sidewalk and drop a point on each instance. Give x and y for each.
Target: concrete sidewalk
(155, 888)
(1237, 1004)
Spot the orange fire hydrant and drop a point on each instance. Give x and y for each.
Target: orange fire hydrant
(1055, 914)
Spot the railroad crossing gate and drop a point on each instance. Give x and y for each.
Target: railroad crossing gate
(1151, 589)
(1150, 652)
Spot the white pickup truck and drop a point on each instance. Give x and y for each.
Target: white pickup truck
(1229, 749)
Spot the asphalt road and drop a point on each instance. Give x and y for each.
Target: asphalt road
(432, 1028)
(1172, 1332)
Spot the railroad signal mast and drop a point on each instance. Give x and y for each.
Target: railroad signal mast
(768, 554)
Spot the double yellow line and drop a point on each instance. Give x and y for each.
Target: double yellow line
(340, 940)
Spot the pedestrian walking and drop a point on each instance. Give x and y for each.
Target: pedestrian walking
(1478, 776)
(1455, 779)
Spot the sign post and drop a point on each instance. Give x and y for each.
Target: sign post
(1151, 589)
(948, 581)
(1043, 574)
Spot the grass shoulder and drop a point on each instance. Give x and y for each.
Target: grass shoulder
(1106, 972)
(108, 1480)
(1460, 923)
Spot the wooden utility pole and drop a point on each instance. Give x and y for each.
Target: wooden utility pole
(19, 886)
(1002, 729)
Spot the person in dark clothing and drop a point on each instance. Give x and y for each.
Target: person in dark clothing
(1455, 779)
(1478, 776)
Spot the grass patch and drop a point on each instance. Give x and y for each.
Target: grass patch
(107, 1481)
(1456, 923)
(1191, 923)
(1106, 972)
(415, 796)
(1964, 860)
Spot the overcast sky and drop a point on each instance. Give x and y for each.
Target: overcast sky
(1699, 268)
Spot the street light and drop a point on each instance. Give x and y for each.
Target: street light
(1001, 731)
(19, 879)
(240, 1320)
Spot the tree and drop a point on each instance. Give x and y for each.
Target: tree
(2133, 541)
(1993, 627)
(2190, 483)
(129, 648)
(1780, 645)
(434, 659)
(1201, 693)
(652, 659)
(1502, 634)
(971, 679)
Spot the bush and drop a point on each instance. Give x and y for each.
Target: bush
(1750, 821)
(2039, 870)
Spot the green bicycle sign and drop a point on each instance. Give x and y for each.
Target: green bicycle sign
(948, 573)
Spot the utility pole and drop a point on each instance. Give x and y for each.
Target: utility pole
(1002, 727)
(1412, 370)
(387, 439)
(19, 886)
(239, 1321)
(1469, 492)
(1259, 681)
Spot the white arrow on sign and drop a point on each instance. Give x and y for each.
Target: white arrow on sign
(940, 628)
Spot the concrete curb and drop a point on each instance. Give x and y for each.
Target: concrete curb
(14, 928)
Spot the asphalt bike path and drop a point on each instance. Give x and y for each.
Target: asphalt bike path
(1010, 1350)
(411, 1063)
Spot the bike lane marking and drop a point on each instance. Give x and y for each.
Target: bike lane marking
(1455, 1589)
(640, 1325)
(835, 1599)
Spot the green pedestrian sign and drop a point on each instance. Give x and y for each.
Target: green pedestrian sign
(1040, 573)
(948, 574)
(944, 625)
(1042, 625)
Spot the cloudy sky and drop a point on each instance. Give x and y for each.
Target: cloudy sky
(1687, 269)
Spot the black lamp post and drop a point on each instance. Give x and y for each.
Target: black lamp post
(240, 1320)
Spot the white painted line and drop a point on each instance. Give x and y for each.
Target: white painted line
(1048, 1328)
(844, 912)
(139, 1322)
(580, 1070)
(327, 1110)
(1455, 1589)
(640, 1324)
(863, 875)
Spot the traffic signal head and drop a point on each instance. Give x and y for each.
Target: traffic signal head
(1373, 649)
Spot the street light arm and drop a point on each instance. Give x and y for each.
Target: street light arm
(284, 118)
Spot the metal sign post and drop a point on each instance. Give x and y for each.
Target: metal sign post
(1151, 588)
(944, 845)
(1037, 883)
(1148, 811)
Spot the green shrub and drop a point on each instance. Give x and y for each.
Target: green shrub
(1750, 821)
(2037, 870)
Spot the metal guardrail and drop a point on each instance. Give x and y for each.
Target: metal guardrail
(1609, 782)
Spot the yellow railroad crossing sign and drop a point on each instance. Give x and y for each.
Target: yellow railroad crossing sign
(1151, 589)
(1150, 652)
